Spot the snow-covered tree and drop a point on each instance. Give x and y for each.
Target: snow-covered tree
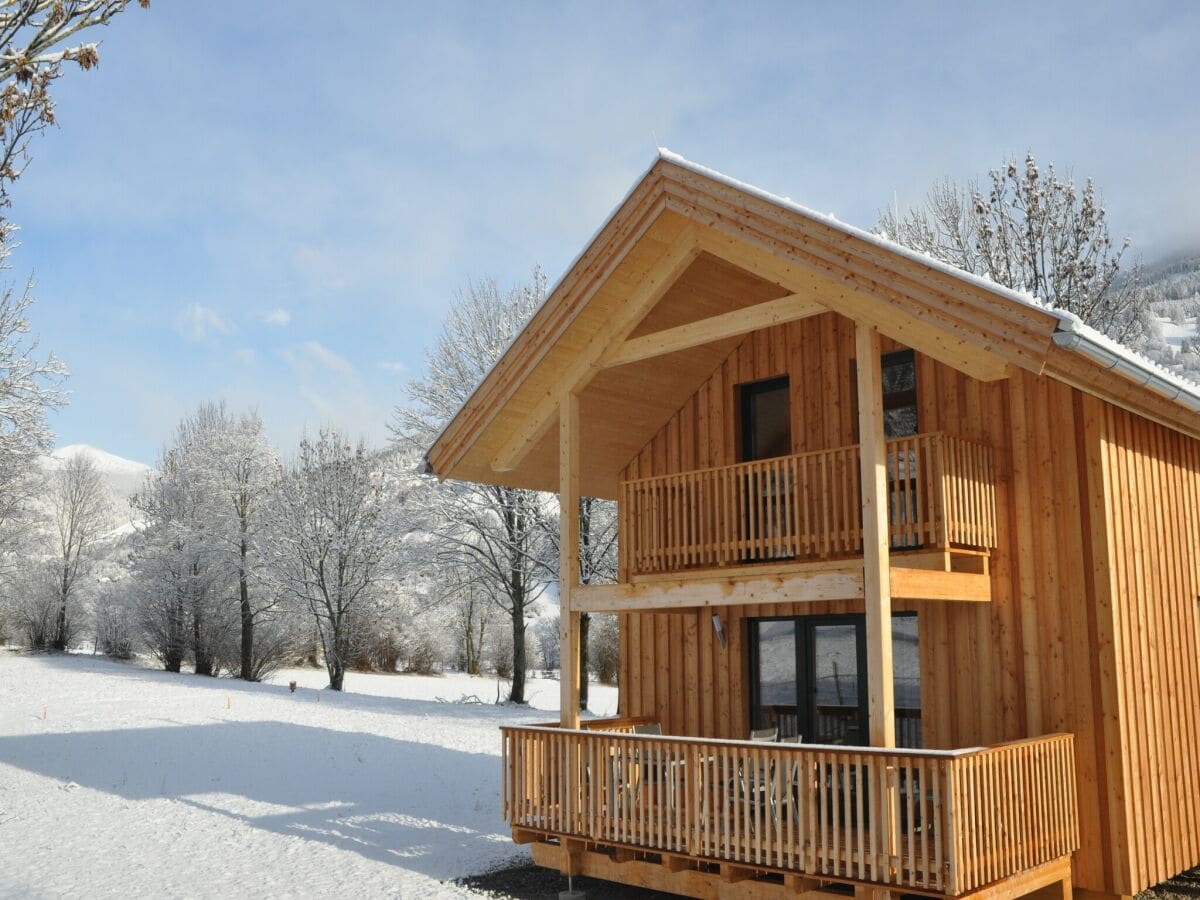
(81, 512)
(29, 386)
(240, 471)
(605, 656)
(1032, 231)
(331, 540)
(36, 38)
(30, 604)
(181, 576)
(492, 535)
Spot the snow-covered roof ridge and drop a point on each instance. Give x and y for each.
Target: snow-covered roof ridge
(1071, 332)
(1075, 334)
(871, 237)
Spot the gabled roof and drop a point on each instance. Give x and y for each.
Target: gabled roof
(687, 245)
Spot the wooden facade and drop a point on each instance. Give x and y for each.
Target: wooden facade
(1043, 525)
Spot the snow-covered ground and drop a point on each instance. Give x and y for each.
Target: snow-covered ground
(1175, 334)
(120, 780)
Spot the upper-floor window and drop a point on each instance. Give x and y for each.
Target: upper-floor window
(766, 419)
(899, 379)
(899, 394)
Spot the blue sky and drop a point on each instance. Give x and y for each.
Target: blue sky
(273, 202)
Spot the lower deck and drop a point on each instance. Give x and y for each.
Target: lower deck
(917, 821)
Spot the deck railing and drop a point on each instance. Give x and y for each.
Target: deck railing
(942, 821)
(807, 507)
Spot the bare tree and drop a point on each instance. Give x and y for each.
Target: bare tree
(1035, 232)
(331, 539)
(80, 506)
(472, 615)
(597, 564)
(496, 533)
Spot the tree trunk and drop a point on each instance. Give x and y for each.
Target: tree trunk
(517, 694)
(247, 673)
(176, 640)
(204, 662)
(584, 620)
(59, 640)
(335, 654)
(337, 674)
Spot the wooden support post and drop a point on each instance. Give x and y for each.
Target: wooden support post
(568, 558)
(877, 592)
(571, 856)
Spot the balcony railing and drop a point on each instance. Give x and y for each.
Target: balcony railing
(807, 507)
(942, 821)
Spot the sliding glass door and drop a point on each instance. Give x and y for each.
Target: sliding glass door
(809, 678)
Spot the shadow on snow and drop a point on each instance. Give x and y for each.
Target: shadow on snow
(390, 800)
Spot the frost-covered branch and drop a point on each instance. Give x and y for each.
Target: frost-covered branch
(1033, 231)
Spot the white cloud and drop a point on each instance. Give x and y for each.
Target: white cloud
(333, 390)
(278, 316)
(396, 367)
(313, 359)
(245, 355)
(198, 323)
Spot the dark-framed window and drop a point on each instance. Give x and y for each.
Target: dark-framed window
(808, 676)
(899, 393)
(898, 372)
(765, 408)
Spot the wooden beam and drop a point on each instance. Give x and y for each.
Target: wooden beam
(1057, 871)
(855, 301)
(656, 282)
(876, 574)
(933, 584)
(659, 877)
(731, 874)
(715, 328)
(803, 583)
(568, 558)
(823, 584)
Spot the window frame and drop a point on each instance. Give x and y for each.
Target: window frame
(745, 391)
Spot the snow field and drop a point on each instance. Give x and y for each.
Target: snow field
(122, 780)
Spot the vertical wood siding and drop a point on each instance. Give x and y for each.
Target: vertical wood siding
(1039, 658)
(1151, 479)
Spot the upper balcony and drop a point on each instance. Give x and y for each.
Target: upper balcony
(807, 508)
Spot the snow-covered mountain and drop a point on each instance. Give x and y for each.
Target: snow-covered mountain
(1173, 291)
(123, 477)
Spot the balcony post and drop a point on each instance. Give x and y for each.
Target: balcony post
(876, 564)
(568, 558)
(877, 591)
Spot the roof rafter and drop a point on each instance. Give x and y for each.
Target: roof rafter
(715, 328)
(657, 281)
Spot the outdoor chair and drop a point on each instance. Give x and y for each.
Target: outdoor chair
(755, 784)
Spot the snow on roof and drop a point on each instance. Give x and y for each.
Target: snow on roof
(1076, 334)
(1072, 332)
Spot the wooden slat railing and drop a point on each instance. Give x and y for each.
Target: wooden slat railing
(943, 821)
(807, 507)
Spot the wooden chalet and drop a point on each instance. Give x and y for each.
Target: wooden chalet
(934, 544)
